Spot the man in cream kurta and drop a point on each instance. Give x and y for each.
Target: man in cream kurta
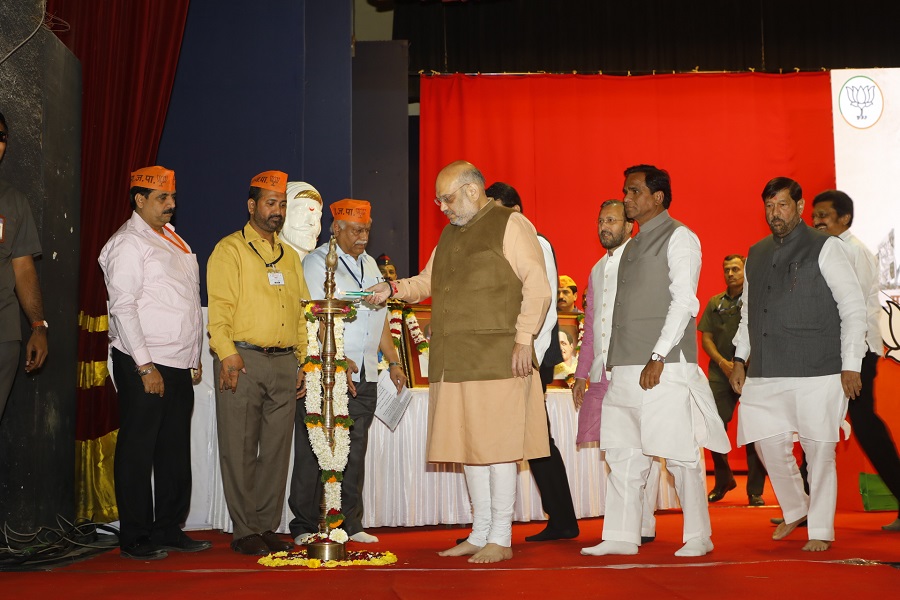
(486, 409)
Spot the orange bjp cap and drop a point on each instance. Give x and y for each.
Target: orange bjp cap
(154, 178)
(271, 180)
(357, 211)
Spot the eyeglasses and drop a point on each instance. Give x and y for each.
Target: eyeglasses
(3, 137)
(446, 198)
(608, 221)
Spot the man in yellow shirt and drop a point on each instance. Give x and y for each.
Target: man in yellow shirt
(258, 334)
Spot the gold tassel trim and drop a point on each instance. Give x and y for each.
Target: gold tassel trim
(92, 374)
(95, 491)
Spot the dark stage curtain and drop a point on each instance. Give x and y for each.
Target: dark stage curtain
(563, 141)
(128, 53)
(643, 36)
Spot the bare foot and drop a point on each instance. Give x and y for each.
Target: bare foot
(784, 529)
(492, 553)
(895, 526)
(463, 549)
(816, 546)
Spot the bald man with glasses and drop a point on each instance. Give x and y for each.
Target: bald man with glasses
(486, 406)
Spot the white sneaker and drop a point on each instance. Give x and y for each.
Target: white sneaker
(363, 538)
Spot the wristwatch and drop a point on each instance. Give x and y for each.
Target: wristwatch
(738, 359)
(43, 324)
(658, 357)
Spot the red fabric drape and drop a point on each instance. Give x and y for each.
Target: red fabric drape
(129, 53)
(563, 142)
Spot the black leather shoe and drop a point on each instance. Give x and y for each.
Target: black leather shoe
(142, 550)
(755, 500)
(718, 493)
(646, 539)
(184, 543)
(275, 543)
(252, 545)
(553, 534)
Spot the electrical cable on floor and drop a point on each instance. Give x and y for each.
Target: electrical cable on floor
(48, 547)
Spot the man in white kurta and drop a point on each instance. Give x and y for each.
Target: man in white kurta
(833, 213)
(614, 231)
(650, 407)
(802, 332)
(486, 409)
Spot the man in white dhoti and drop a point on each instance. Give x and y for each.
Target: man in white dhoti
(486, 409)
(802, 337)
(654, 394)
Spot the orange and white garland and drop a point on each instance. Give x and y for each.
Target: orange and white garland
(331, 462)
(396, 324)
(415, 332)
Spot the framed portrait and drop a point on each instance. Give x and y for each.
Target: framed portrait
(416, 343)
(571, 330)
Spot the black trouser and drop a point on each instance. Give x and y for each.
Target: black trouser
(550, 476)
(306, 483)
(871, 432)
(154, 437)
(726, 401)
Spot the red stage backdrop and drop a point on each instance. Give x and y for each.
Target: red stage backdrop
(563, 142)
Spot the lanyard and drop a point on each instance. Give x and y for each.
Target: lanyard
(268, 264)
(362, 272)
(177, 242)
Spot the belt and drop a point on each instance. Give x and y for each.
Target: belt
(268, 350)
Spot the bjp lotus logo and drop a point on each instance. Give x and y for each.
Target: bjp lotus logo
(890, 330)
(861, 102)
(861, 97)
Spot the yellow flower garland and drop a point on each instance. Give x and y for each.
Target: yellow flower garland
(298, 559)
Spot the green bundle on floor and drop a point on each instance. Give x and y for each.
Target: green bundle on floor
(875, 495)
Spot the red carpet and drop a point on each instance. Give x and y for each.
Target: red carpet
(746, 563)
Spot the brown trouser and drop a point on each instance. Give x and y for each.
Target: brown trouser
(255, 426)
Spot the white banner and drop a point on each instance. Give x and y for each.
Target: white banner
(866, 113)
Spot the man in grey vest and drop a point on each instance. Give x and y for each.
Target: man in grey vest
(648, 408)
(802, 337)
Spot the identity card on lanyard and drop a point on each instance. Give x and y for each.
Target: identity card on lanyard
(276, 277)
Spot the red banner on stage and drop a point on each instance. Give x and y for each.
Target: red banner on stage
(563, 142)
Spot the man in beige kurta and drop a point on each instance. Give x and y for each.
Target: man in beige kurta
(485, 401)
